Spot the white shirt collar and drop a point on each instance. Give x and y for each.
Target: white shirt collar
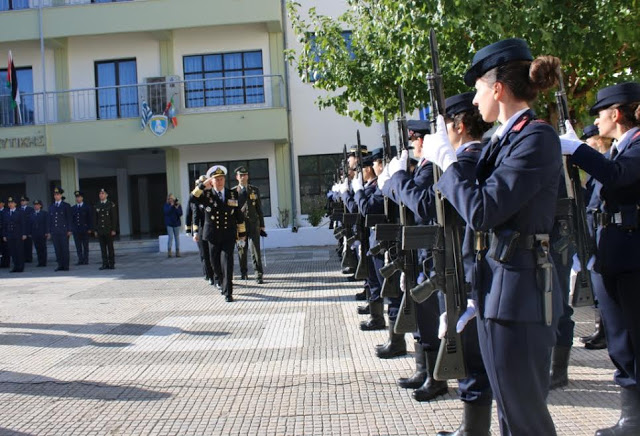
(506, 127)
(464, 146)
(622, 142)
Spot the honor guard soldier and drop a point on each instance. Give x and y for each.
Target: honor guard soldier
(81, 227)
(105, 225)
(617, 218)
(14, 233)
(510, 201)
(251, 207)
(28, 243)
(195, 226)
(60, 228)
(4, 248)
(224, 224)
(40, 232)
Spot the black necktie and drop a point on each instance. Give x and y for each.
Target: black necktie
(614, 152)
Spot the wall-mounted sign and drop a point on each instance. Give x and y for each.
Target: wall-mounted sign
(26, 142)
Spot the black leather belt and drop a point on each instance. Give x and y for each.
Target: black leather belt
(604, 219)
(522, 242)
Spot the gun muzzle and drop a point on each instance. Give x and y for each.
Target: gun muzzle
(423, 291)
(389, 269)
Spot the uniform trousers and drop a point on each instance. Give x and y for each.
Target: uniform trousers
(106, 249)
(81, 239)
(203, 248)
(253, 245)
(375, 278)
(4, 252)
(61, 247)
(40, 242)
(565, 323)
(221, 255)
(619, 303)
(517, 358)
(28, 249)
(16, 250)
(475, 388)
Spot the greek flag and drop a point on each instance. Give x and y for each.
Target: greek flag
(145, 114)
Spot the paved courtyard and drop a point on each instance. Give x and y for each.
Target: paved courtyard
(151, 349)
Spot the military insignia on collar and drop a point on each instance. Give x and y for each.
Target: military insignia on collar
(253, 196)
(208, 209)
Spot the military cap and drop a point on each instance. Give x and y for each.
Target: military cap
(418, 128)
(363, 150)
(78, 194)
(241, 170)
(37, 202)
(24, 198)
(216, 171)
(367, 161)
(496, 54)
(10, 199)
(617, 94)
(589, 131)
(58, 190)
(460, 103)
(377, 153)
(103, 190)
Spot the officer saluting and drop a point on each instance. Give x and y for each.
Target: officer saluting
(105, 224)
(249, 203)
(60, 228)
(224, 224)
(14, 233)
(81, 227)
(39, 227)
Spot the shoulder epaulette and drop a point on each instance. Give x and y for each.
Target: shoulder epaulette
(520, 124)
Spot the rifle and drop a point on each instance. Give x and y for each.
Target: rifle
(574, 208)
(349, 258)
(362, 270)
(448, 246)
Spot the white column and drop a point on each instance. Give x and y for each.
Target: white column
(124, 211)
(37, 188)
(143, 204)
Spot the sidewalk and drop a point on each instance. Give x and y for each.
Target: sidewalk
(151, 349)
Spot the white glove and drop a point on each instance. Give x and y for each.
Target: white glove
(403, 286)
(467, 316)
(241, 243)
(437, 148)
(356, 183)
(343, 187)
(569, 141)
(398, 163)
(383, 177)
(334, 188)
(577, 266)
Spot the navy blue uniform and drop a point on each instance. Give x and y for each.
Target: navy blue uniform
(4, 247)
(616, 197)
(59, 226)
(14, 229)
(81, 226)
(515, 190)
(39, 223)
(28, 243)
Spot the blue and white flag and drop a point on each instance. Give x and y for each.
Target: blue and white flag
(145, 114)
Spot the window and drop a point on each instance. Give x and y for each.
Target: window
(119, 98)
(8, 114)
(258, 176)
(218, 87)
(7, 5)
(347, 34)
(108, 1)
(316, 174)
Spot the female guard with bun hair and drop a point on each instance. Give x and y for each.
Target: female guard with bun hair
(509, 205)
(617, 192)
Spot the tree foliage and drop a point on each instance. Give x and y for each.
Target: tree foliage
(598, 42)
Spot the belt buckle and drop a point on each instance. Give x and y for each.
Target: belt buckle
(617, 218)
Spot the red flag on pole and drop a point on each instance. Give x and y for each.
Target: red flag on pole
(12, 83)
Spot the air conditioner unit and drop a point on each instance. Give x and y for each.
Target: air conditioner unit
(159, 91)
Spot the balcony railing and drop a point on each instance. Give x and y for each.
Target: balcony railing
(11, 5)
(117, 102)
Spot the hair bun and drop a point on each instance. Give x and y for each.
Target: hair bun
(544, 71)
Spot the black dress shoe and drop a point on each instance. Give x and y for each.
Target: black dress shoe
(244, 277)
(596, 344)
(361, 296)
(58, 269)
(211, 282)
(103, 267)
(259, 280)
(348, 270)
(228, 298)
(79, 263)
(40, 264)
(15, 270)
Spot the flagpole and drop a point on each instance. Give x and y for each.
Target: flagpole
(44, 75)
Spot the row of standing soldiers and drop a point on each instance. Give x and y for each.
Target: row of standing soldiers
(220, 219)
(504, 184)
(24, 228)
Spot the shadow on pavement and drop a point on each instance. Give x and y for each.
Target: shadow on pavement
(125, 329)
(35, 385)
(8, 432)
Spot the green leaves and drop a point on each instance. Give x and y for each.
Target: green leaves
(597, 40)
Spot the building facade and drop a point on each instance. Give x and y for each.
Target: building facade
(216, 68)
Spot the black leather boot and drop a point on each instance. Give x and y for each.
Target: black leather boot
(417, 379)
(559, 366)
(598, 340)
(597, 331)
(431, 388)
(629, 422)
(376, 320)
(361, 296)
(476, 421)
(395, 346)
(364, 310)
